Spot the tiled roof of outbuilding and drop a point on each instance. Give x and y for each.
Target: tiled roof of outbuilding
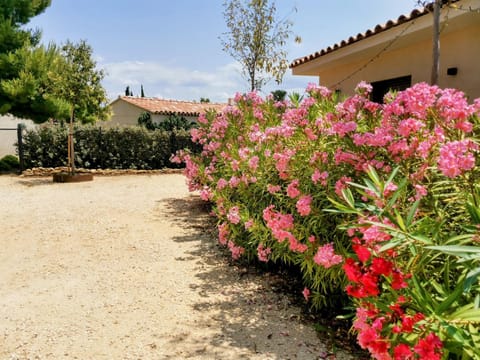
(168, 107)
(370, 32)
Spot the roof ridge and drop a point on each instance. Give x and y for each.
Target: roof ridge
(402, 19)
(169, 100)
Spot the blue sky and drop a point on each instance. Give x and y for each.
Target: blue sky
(172, 47)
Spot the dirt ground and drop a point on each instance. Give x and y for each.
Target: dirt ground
(124, 268)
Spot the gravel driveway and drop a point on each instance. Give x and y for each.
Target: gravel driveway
(124, 267)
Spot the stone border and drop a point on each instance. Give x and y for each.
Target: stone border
(40, 171)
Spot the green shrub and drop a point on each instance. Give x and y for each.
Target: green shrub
(99, 148)
(9, 163)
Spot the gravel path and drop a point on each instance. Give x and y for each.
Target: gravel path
(124, 268)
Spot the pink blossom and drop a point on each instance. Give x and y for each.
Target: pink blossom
(326, 256)
(292, 189)
(206, 194)
(424, 147)
(202, 119)
(234, 182)
(223, 233)
(272, 189)
(278, 223)
(317, 155)
(323, 91)
(256, 135)
(476, 106)
(235, 165)
(306, 293)
(453, 106)
(363, 88)
(341, 184)
(464, 126)
(409, 126)
(248, 224)
(342, 128)
(420, 191)
(283, 159)
(234, 215)
(253, 163)
(263, 252)
(243, 153)
(320, 176)
(295, 245)
(303, 205)
(176, 159)
(310, 135)
(236, 251)
(456, 157)
(345, 157)
(221, 184)
(389, 189)
(374, 234)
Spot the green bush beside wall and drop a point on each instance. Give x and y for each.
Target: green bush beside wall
(99, 148)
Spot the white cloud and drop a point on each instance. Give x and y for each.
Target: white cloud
(167, 81)
(172, 82)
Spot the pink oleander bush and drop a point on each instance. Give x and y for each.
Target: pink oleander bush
(377, 205)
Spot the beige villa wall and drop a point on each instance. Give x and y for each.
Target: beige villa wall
(456, 51)
(9, 138)
(125, 114)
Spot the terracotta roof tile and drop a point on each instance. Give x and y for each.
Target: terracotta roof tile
(168, 107)
(370, 32)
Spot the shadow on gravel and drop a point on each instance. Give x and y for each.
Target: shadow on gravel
(252, 307)
(29, 182)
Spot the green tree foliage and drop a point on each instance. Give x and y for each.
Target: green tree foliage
(175, 122)
(171, 123)
(145, 120)
(13, 15)
(256, 39)
(25, 83)
(29, 86)
(43, 82)
(142, 93)
(79, 83)
(279, 95)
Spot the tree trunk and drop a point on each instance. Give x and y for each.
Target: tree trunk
(436, 42)
(71, 151)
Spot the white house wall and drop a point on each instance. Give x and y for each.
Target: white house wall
(126, 114)
(9, 137)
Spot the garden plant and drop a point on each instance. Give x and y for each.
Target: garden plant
(378, 206)
(110, 148)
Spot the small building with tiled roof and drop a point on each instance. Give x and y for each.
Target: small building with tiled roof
(397, 54)
(127, 109)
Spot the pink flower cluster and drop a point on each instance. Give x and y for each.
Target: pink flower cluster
(326, 256)
(456, 157)
(280, 224)
(277, 163)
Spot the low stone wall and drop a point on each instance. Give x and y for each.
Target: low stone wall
(98, 172)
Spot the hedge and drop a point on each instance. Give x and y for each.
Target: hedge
(100, 148)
